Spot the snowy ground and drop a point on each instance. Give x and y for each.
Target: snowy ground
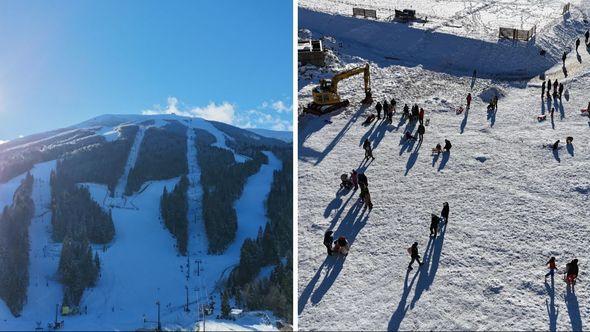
(141, 265)
(447, 49)
(513, 204)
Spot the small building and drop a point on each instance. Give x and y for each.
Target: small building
(236, 313)
(311, 52)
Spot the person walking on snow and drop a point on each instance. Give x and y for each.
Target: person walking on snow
(368, 149)
(543, 90)
(434, 220)
(421, 130)
(571, 272)
(354, 178)
(367, 199)
(445, 212)
(555, 85)
(421, 116)
(552, 267)
(378, 107)
(328, 238)
(413, 251)
(468, 100)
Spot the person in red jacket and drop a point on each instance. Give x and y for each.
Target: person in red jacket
(552, 267)
(468, 100)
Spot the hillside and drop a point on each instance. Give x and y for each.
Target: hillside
(119, 199)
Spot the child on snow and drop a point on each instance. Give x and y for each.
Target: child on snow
(328, 238)
(341, 246)
(552, 267)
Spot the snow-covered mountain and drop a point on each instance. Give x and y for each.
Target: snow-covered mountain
(133, 210)
(286, 136)
(514, 202)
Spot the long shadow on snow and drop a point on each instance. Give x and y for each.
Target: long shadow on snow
(431, 262)
(343, 131)
(439, 51)
(464, 122)
(335, 203)
(423, 282)
(411, 161)
(315, 124)
(402, 308)
(573, 309)
(552, 310)
(349, 227)
(445, 158)
(343, 206)
(369, 132)
(379, 134)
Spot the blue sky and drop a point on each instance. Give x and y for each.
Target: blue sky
(63, 62)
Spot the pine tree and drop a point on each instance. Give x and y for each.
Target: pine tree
(225, 308)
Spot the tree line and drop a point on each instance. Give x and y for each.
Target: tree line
(14, 246)
(174, 211)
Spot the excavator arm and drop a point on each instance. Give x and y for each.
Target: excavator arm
(346, 74)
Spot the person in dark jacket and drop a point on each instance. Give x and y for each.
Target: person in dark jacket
(571, 271)
(448, 145)
(328, 238)
(555, 85)
(378, 108)
(445, 212)
(543, 90)
(363, 179)
(393, 103)
(552, 267)
(354, 178)
(385, 109)
(434, 220)
(368, 149)
(421, 116)
(406, 111)
(415, 256)
(563, 57)
(421, 130)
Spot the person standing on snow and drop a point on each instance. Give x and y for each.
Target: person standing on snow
(341, 246)
(421, 116)
(328, 238)
(543, 90)
(378, 107)
(385, 108)
(552, 267)
(406, 111)
(368, 149)
(413, 250)
(447, 145)
(571, 271)
(393, 103)
(445, 212)
(555, 85)
(468, 100)
(367, 199)
(549, 89)
(421, 130)
(354, 178)
(434, 220)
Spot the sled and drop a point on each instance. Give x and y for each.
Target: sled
(459, 110)
(541, 118)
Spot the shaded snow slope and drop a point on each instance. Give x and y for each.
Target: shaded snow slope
(390, 43)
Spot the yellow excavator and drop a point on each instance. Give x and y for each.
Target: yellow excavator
(326, 98)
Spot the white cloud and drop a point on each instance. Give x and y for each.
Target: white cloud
(3, 141)
(223, 112)
(280, 107)
(261, 117)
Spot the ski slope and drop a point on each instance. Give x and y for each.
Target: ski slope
(141, 265)
(513, 202)
(445, 48)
